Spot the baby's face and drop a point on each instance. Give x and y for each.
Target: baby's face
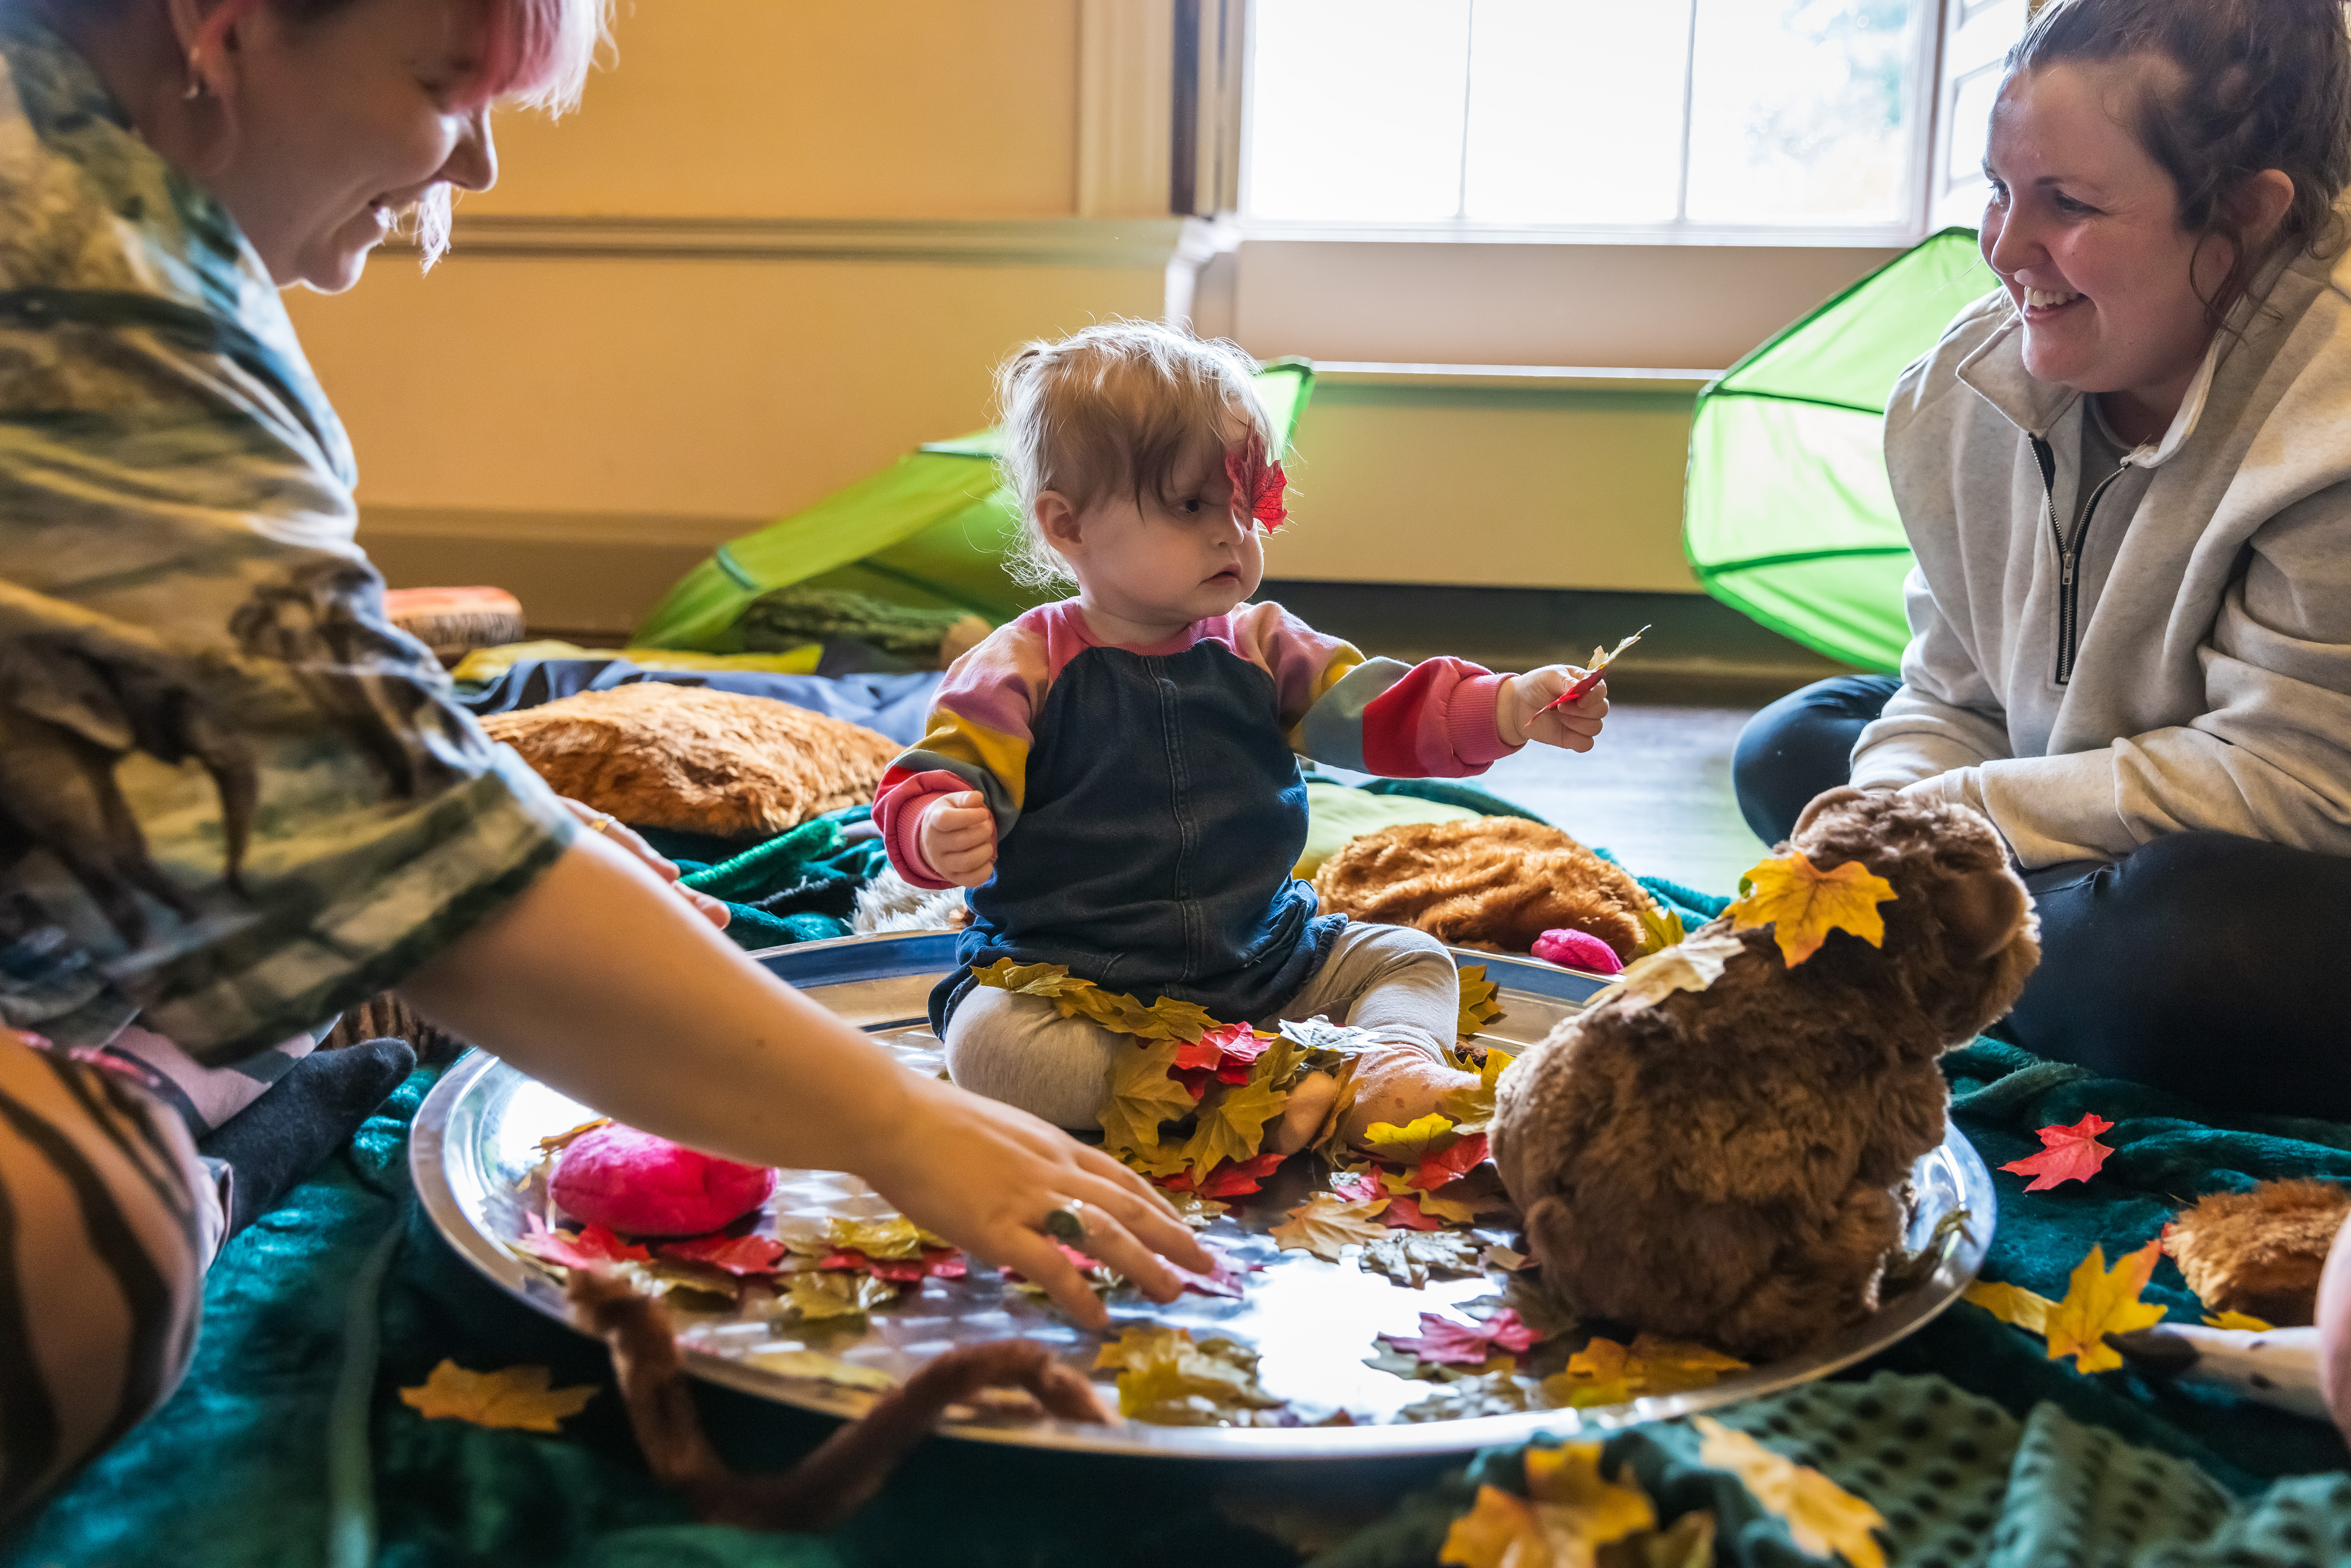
(1174, 559)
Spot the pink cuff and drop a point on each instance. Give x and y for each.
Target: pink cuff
(1472, 724)
(904, 842)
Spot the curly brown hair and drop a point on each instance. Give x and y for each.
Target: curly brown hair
(2259, 84)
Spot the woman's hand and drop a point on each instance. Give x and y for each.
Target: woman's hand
(986, 1175)
(711, 909)
(1519, 715)
(958, 835)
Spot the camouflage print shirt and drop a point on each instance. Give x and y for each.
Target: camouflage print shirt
(232, 795)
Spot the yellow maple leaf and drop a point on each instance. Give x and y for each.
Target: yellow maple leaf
(1167, 1377)
(2099, 1301)
(2012, 1305)
(1823, 1516)
(1570, 1512)
(824, 1368)
(1803, 903)
(1497, 1532)
(1691, 965)
(1324, 1226)
(892, 1236)
(1232, 1125)
(1671, 1365)
(1413, 1142)
(1473, 1108)
(837, 1293)
(2243, 1322)
(1479, 1006)
(515, 1397)
(1660, 928)
(1142, 1096)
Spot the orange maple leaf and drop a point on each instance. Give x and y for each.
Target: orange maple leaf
(1803, 903)
(517, 1396)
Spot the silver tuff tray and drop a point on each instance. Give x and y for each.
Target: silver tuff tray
(1312, 1321)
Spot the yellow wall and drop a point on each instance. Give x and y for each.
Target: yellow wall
(785, 241)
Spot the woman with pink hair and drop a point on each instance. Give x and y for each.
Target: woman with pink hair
(233, 802)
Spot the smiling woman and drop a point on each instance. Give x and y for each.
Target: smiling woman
(2126, 475)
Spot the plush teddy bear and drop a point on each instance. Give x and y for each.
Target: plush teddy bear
(1495, 882)
(1721, 1163)
(2260, 1252)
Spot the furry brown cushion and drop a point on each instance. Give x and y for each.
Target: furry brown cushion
(695, 760)
(2260, 1252)
(1720, 1165)
(1497, 881)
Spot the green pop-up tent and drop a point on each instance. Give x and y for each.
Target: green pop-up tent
(928, 531)
(1788, 516)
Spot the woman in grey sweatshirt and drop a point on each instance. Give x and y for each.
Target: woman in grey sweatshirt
(2126, 475)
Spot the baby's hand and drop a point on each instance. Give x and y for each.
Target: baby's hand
(1518, 716)
(959, 837)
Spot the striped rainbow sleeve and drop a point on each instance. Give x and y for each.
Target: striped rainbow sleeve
(1430, 720)
(976, 737)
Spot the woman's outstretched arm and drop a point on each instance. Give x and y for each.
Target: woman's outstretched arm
(600, 981)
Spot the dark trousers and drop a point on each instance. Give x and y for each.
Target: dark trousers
(2204, 964)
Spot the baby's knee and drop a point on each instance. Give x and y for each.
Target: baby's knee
(1021, 1050)
(1393, 949)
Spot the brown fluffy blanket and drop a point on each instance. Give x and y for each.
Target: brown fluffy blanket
(696, 760)
(1497, 881)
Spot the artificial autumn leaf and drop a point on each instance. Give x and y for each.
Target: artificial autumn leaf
(1606, 1373)
(737, 1255)
(1478, 1005)
(1499, 1531)
(1222, 1055)
(2243, 1323)
(1448, 1165)
(1600, 659)
(1412, 1143)
(931, 1263)
(1803, 903)
(1235, 1179)
(1358, 1186)
(1500, 1257)
(1823, 1516)
(892, 1236)
(1499, 1393)
(2099, 1301)
(1537, 1307)
(591, 1247)
(1692, 965)
(1472, 1109)
(1325, 1226)
(837, 1294)
(824, 1368)
(516, 1397)
(1343, 1104)
(1223, 1279)
(1167, 1379)
(1570, 1512)
(2068, 1154)
(1423, 1211)
(1195, 1210)
(554, 1143)
(1447, 1341)
(1102, 1277)
(1660, 928)
(1913, 1269)
(1142, 1096)
(1410, 1258)
(1404, 1214)
(2012, 1305)
(1232, 1128)
(1165, 1018)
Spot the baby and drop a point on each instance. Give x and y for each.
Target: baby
(1114, 777)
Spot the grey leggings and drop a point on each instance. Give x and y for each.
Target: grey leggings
(1394, 981)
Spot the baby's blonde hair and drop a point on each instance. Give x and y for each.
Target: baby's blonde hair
(1114, 407)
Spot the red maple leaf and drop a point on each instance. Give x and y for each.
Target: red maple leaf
(1444, 1341)
(936, 1263)
(1256, 484)
(1224, 1055)
(1233, 1178)
(578, 1250)
(1224, 1280)
(2071, 1154)
(738, 1255)
(1403, 1213)
(1357, 1187)
(1448, 1166)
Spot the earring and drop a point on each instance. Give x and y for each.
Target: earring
(195, 76)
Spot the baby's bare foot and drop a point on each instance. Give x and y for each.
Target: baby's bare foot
(1310, 1104)
(1399, 1084)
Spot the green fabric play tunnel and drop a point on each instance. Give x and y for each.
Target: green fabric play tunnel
(929, 531)
(1788, 516)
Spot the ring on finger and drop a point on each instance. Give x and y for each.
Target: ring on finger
(603, 823)
(1067, 1224)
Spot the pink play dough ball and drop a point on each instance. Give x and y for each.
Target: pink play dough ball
(1578, 950)
(643, 1185)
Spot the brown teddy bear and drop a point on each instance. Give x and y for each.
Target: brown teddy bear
(1721, 1163)
(700, 761)
(1497, 882)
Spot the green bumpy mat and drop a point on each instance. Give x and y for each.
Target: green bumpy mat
(1979, 1450)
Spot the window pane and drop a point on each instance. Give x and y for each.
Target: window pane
(1355, 109)
(1575, 110)
(1800, 110)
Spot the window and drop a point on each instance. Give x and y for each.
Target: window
(1648, 115)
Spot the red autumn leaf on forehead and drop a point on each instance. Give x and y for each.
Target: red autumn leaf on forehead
(1258, 484)
(1448, 1165)
(738, 1255)
(936, 1263)
(1233, 1178)
(1443, 1342)
(2072, 1154)
(583, 1250)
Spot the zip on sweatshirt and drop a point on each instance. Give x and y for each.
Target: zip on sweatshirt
(2069, 553)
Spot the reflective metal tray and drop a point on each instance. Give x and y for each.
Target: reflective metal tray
(1312, 1321)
